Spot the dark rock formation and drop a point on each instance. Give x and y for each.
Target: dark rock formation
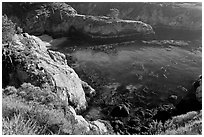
(162, 116)
(192, 101)
(120, 111)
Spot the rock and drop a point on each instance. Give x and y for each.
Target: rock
(134, 122)
(117, 124)
(199, 93)
(192, 101)
(122, 89)
(40, 66)
(89, 91)
(133, 130)
(60, 19)
(179, 43)
(99, 126)
(79, 126)
(172, 98)
(120, 111)
(94, 114)
(35, 64)
(162, 115)
(198, 89)
(171, 15)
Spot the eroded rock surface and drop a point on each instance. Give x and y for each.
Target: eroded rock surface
(185, 15)
(31, 62)
(60, 19)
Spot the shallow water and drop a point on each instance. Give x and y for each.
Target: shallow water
(162, 70)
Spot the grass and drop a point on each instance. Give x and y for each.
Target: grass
(31, 112)
(19, 126)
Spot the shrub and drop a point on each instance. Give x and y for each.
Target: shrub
(11, 106)
(8, 29)
(9, 90)
(36, 94)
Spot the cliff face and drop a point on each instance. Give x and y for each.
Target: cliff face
(27, 60)
(40, 66)
(171, 15)
(56, 19)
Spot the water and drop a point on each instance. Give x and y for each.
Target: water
(163, 70)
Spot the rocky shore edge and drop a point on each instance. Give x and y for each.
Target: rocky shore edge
(27, 60)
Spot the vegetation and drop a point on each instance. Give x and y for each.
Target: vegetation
(31, 110)
(8, 29)
(19, 126)
(186, 124)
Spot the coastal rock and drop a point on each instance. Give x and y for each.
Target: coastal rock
(162, 116)
(58, 20)
(193, 100)
(198, 89)
(89, 91)
(33, 63)
(120, 111)
(159, 14)
(179, 43)
(199, 93)
(173, 98)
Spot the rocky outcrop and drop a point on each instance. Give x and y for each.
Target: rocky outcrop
(169, 20)
(59, 19)
(120, 111)
(192, 101)
(171, 15)
(27, 60)
(198, 89)
(34, 64)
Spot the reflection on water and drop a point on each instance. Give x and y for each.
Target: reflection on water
(162, 70)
